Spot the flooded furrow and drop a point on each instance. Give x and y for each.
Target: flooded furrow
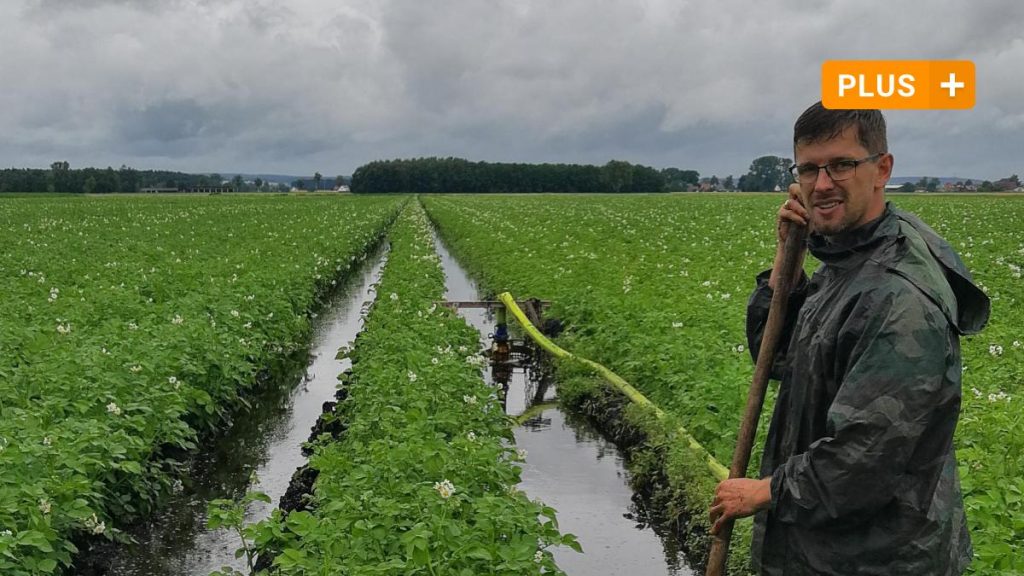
(570, 467)
(260, 452)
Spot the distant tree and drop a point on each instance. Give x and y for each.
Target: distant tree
(129, 179)
(237, 183)
(299, 184)
(1005, 184)
(713, 182)
(969, 183)
(59, 178)
(676, 179)
(766, 173)
(985, 186)
(339, 181)
(317, 178)
(933, 185)
(107, 181)
(646, 179)
(922, 184)
(728, 182)
(906, 187)
(617, 175)
(259, 183)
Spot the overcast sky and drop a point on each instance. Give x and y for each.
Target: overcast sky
(297, 86)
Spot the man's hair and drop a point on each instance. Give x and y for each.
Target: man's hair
(819, 124)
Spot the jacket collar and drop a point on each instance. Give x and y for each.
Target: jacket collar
(835, 249)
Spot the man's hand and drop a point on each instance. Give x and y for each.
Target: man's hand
(791, 212)
(738, 498)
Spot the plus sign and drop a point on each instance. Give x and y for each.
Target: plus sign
(952, 85)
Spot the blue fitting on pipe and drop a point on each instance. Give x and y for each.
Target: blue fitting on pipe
(501, 333)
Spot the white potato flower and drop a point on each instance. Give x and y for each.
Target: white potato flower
(444, 488)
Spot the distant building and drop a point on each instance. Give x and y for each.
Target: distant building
(342, 188)
(157, 190)
(211, 189)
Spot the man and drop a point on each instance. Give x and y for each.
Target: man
(858, 474)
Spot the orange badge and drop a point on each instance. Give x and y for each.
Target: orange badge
(898, 84)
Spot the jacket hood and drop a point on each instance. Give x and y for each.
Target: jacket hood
(973, 306)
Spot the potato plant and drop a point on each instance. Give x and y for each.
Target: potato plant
(132, 326)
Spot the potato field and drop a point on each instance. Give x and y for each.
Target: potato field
(134, 328)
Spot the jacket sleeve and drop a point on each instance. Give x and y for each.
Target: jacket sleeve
(894, 412)
(757, 316)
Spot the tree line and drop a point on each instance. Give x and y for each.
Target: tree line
(453, 175)
(927, 184)
(61, 178)
(427, 175)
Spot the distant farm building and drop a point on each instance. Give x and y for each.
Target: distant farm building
(211, 189)
(195, 189)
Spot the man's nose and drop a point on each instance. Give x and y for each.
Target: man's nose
(823, 181)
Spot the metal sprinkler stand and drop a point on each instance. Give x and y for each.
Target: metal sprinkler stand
(506, 353)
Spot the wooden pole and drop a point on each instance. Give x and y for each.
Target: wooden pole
(762, 371)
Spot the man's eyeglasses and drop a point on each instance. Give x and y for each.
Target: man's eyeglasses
(837, 170)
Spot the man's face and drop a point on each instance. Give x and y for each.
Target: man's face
(836, 207)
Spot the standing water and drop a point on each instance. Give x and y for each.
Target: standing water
(571, 468)
(266, 442)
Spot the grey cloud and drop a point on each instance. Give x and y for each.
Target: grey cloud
(170, 121)
(304, 85)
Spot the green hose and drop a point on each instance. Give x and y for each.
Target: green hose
(719, 471)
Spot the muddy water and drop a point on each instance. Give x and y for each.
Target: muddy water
(266, 442)
(570, 467)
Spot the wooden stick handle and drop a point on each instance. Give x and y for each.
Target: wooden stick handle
(762, 371)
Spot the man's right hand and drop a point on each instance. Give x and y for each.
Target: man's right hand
(791, 212)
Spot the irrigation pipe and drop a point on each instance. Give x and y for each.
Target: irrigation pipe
(716, 468)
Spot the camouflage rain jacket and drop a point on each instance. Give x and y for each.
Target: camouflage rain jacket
(860, 447)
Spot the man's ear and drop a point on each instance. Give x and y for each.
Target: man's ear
(885, 164)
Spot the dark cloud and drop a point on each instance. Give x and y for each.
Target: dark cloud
(304, 85)
(170, 121)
